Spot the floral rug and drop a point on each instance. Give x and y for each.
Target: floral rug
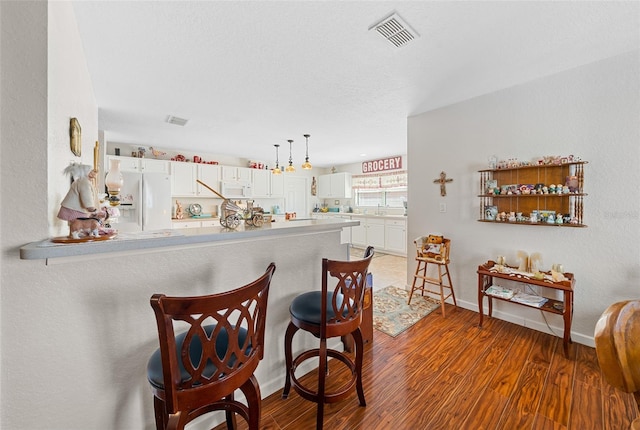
(392, 315)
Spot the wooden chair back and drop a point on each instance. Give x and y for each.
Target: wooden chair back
(347, 300)
(618, 349)
(236, 317)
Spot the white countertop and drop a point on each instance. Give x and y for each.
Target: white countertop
(47, 249)
(360, 215)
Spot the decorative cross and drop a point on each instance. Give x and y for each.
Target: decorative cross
(442, 180)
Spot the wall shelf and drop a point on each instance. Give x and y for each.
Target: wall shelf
(568, 205)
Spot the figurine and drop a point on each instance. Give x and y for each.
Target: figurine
(179, 210)
(156, 153)
(572, 183)
(81, 202)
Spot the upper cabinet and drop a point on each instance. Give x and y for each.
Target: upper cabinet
(210, 175)
(240, 174)
(183, 178)
(336, 185)
(127, 164)
(266, 184)
(141, 165)
(159, 166)
(545, 194)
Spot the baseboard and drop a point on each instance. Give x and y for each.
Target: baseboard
(527, 322)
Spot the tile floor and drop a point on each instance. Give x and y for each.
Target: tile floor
(387, 269)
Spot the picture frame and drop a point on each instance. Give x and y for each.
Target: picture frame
(491, 213)
(75, 137)
(492, 184)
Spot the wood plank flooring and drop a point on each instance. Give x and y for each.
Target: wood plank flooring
(446, 373)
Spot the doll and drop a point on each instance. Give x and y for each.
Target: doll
(81, 202)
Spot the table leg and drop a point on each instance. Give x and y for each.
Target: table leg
(480, 297)
(568, 317)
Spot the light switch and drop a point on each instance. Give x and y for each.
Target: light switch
(443, 207)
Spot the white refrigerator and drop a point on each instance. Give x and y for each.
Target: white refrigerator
(145, 202)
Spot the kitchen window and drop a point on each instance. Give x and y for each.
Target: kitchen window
(388, 190)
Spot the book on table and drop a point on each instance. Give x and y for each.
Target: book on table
(529, 299)
(501, 292)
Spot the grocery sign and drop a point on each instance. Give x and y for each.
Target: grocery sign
(391, 163)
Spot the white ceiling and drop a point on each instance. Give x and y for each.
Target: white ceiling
(249, 74)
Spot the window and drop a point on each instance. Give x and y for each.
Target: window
(388, 190)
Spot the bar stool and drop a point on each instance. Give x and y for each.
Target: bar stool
(331, 312)
(197, 371)
(433, 250)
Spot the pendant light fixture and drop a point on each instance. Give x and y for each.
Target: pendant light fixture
(306, 165)
(290, 167)
(276, 170)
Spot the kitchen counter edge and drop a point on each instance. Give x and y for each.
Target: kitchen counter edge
(46, 249)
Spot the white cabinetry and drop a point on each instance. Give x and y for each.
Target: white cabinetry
(266, 184)
(140, 165)
(395, 236)
(345, 234)
(336, 185)
(127, 164)
(277, 185)
(160, 166)
(210, 175)
(207, 222)
(370, 232)
(240, 174)
(183, 178)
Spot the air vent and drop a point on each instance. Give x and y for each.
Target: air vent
(177, 121)
(395, 30)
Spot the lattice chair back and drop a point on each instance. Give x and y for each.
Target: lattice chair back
(217, 354)
(347, 300)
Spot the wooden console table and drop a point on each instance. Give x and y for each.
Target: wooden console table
(489, 270)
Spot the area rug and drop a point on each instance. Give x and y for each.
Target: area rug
(392, 315)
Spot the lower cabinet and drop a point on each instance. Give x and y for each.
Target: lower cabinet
(189, 223)
(395, 235)
(370, 232)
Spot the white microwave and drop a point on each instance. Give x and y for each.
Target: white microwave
(235, 189)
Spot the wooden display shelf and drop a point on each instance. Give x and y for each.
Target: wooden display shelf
(566, 204)
(488, 271)
(541, 224)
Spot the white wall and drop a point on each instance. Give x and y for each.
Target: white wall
(70, 94)
(592, 112)
(76, 336)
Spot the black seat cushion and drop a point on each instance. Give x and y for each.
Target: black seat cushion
(154, 366)
(306, 307)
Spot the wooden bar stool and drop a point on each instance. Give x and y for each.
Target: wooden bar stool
(197, 371)
(332, 312)
(433, 250)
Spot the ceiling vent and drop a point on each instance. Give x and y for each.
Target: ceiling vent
(177, 121)
(395, 30)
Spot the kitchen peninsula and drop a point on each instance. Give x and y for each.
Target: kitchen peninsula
(105, 287)
(156, 240)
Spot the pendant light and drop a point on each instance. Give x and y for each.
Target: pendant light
(276, 170)
(290, 167)
(306, 165)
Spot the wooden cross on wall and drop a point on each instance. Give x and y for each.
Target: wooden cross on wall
(442, 180)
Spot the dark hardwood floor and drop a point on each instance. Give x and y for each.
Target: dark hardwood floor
(449, 374)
